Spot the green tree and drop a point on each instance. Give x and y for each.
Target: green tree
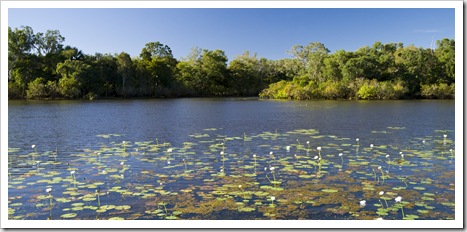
(445, 53)
(37, 89)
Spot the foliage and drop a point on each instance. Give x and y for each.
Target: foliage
(41, 66)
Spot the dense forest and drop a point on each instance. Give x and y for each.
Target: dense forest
(40, 66)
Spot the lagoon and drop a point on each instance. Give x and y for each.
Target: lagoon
(136, 159)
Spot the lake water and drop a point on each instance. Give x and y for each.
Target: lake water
(119, 149)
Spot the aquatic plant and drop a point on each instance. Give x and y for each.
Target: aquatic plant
(399, 200)
(342, 159)
(272, 202)
(98, 191)
(382, 174)
(362, 203)
(381, 193)
(254, 157)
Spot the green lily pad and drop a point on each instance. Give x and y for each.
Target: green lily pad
(69, 215)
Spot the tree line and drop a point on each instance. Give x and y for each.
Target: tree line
(40, 66)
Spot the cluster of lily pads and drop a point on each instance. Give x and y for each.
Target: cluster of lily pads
(298, 174)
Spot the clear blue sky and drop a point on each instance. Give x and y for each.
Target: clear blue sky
(268, 32)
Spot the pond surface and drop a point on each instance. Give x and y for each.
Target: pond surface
(231, 158)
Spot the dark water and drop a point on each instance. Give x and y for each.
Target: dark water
(143, 175)
(73, 125)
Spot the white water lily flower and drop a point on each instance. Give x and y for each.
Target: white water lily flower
(254, 155)
(72, 172)
(271, 168)
(379, 167)
(316, 157)
(273, 198)
(33, 146)
(265, 168)
(398, 199)
(362, 203)
(381, 193)
(168, 162)
(124, 142)
(48, 190)
(387, 156)
(169, 150)
(307, 142)
(240, 186)
(122, 163)
(445, 136)
(371, 145)
(402, 155)
(340, 154)
(423, 141)
(287, 148)
(270, 152)
(222, 152)
(318, 148)
(379, 219)
(357, 139)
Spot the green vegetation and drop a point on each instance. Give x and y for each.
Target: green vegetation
(40, 66)
(133, 180)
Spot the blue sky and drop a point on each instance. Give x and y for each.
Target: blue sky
(268, 32)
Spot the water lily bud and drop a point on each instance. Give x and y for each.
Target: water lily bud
(169, 150)
(371, 145)
(240, 186)
(423, 141)
(357, 139)
(272, 168)
(445, 135)
(168, 162)
(318, 148)
(387, 156)
(33, 146)
(122, 163)
(48, 190)
(270, 153)
(307, 142)
(362, 203)
(398, 199)
(254, 155)
(222, 152)
(379, 167)
(381, 193)
(340, 154)
(273, 198)
(72, 172)
(316, 157)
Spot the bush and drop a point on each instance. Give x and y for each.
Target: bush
(37, 89)
(438, 91)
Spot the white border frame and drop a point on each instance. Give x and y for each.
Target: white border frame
(457, 223)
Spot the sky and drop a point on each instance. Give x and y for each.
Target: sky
(268, 32)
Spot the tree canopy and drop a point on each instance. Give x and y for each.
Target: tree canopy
(40, 66)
